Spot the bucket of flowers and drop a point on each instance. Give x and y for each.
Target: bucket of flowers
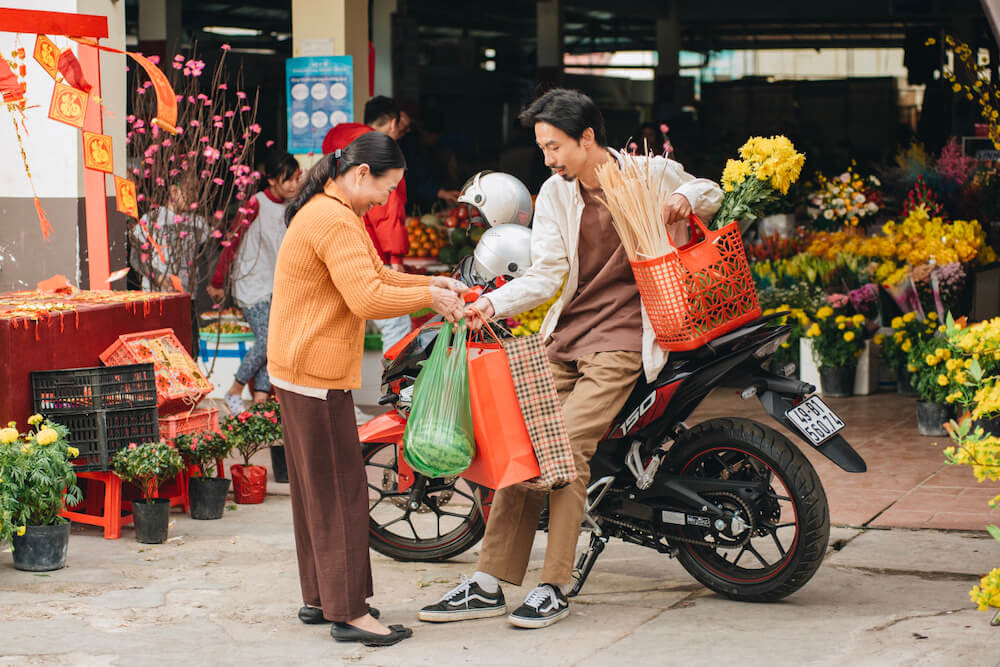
(207, 492)
(907, 331)
(938, 371)
(147, 466)
(837, 343)
(249, 432)
(36, 483)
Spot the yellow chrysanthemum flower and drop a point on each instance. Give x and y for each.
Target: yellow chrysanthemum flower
(35, 420)
(849, 336)
(909, 317)
(46, 436)
(824, 312)
(8, 435)
(73, 452)
(879, 339)
(931, 360)
(813, 331)
(906, 346)
(21, 530)
(942, 380)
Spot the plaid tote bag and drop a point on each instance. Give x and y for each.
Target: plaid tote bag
(539, 403)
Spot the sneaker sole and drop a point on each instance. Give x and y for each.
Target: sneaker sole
(535, 623)
(460, 615)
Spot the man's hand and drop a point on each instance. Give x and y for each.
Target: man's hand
(444, 282)
(216, 293)
(479, 312)
(450, 196)
(676, 214)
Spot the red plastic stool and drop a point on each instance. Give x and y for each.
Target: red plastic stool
(107, 514)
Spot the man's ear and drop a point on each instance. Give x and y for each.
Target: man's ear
(587, 138)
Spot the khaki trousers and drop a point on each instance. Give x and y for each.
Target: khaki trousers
(592, 390)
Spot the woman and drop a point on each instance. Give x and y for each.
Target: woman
(254, 244)
(329, 280)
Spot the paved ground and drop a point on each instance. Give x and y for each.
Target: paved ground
(225, 592)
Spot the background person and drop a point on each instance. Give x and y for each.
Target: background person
(329, 280)
(254, 244)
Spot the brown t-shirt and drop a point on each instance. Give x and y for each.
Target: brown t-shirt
(604, 314)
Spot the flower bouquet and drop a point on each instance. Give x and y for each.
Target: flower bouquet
(36, 483)
(760, 178)
(845, 200)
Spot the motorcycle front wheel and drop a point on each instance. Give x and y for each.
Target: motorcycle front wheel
(788, 528)
(446, 523)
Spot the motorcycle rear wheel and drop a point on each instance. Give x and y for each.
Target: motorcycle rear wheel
(790, 530)
(447, 523)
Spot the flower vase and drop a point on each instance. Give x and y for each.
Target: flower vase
(41, 548)
(249, 483)
(931, 418)
(837, 382)
(904, 386)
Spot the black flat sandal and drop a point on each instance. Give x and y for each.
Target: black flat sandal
(343, 632)
(314, 615)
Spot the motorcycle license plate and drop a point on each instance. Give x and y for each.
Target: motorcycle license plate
(815, 420)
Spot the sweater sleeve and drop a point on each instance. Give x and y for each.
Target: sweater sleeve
(366, 290)
(397, 279)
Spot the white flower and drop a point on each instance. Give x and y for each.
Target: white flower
(874, 181)
(845, 178)
(837, 202)
(859, 198)
(828, 214)
(871, 207)
(841, 212)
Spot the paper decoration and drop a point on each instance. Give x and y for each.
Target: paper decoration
(10, 87)
(47, 55)
(72, 71)
(97, 152)
(57, 284)
(69, 105)
(176, 282)
(125, 197)
(118, 275)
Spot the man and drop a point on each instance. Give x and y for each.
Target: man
(386, 224)
(598, 340)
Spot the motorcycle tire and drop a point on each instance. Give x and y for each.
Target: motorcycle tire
(417, 548)
(746, 447)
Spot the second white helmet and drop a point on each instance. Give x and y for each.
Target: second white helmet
(503, 251)
(500, 197)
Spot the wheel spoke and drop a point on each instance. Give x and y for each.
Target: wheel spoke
(777, 543)
(740, 554)
(757, 555)
(410, 522)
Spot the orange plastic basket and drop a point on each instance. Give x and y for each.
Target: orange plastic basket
(202, 419)
(700, 291)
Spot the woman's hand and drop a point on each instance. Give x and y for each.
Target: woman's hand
(447, 303)
(451, 284)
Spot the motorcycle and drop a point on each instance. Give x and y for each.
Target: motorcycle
(736, 502)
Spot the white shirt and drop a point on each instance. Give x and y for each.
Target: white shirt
(555, 237)
(253, 269)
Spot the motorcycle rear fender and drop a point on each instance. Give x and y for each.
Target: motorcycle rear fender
(836, 448)
(389, 428)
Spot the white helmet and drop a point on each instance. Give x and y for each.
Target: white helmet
(500, 197)
(503, 251)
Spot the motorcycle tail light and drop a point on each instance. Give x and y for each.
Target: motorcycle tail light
(770, 347)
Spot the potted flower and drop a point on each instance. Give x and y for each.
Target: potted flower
(980, 344)
(147, 466)
(36, 483)
(279, 464)
(837, 342)
(249, 432)
(907, 330)
(938, 372)
(207, 492)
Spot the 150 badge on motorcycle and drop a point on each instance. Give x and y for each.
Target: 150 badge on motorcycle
(815, 420)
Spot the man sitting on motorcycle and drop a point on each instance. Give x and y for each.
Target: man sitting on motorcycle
(598, 341)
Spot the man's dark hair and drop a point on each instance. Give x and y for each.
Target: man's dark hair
(381, 109)
(569, 110)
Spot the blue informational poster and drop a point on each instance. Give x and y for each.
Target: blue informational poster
(320, 93)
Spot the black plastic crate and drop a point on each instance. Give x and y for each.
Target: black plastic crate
(98, 434)
(101, 388)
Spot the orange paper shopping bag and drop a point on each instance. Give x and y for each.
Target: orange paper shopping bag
(504, 455)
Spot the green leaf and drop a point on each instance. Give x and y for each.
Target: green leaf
(994, 531)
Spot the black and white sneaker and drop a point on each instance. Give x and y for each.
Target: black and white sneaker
(544, 606)
(465, 601)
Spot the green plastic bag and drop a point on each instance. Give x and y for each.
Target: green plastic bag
(438, 440)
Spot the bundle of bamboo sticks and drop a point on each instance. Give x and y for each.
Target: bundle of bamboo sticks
(635, 196)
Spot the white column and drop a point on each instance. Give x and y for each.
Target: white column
(381, 20)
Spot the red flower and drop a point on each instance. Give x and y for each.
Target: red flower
(132, 445)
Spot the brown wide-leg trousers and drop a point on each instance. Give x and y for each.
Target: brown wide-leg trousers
(592, 390)
(329, 502)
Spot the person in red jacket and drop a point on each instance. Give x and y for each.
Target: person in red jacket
(386, 224)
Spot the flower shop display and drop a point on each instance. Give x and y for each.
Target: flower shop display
(837, 342)
(147, 466)
(207, 491)
(36, 483)
(249, 432)
(845, 200)
(756, 184)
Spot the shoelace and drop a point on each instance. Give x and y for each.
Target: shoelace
(463, 587)
(539, 595)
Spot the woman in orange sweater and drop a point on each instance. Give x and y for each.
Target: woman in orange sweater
(329, 279)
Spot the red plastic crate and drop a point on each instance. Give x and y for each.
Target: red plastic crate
(182, 423)
(180, 384)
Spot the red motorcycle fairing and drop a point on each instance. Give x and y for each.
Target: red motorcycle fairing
(389, 427)
(649, 410)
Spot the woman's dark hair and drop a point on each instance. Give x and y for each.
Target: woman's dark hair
(569, 110)
(279, 165)
(379, 151)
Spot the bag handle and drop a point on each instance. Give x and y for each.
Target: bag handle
(700, 255)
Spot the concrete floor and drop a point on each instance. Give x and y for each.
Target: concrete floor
(226, 592)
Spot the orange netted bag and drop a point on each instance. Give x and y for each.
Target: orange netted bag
(700, 291)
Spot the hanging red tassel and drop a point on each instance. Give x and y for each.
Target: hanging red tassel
(43, 220)
(72, 71)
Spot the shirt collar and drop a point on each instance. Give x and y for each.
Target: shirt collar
(273, 197)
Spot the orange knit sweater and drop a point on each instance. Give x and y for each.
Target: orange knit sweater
(328, 281)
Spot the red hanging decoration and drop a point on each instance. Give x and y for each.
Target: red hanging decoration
(43, 220)
(72, 71)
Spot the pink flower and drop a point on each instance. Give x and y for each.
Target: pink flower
(269, 143)
(145, 258)
(229, 114)
(244, 109)
(178, 58)
(194, 447)
(255, 128)
(218, 181)
(154, 59)
(218, 215)
(176, 65)
(195, 123)
(226, 244)
(225, 47)
(217, 234)
(664, 128)
(240, 94)
(132, 445)
(223, 86)
(194, 205)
